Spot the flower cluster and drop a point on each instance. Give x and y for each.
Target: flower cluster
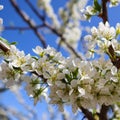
(70, 21)
(95, 9)
(90, 11)
(101, 38)
(69, 80)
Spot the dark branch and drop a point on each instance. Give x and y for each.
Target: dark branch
(87, 113)
(114, 59)
(104, 16)
(26, 18)
(21, 28)
(52, 29)
(5, 48)
(35, 10)
(103, 112)
(3, 89)
(104, 11)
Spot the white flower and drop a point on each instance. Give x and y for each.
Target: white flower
(38, 50)
(74, 83)
(1, 7)
(114, 70)
(81, 91)
(106, 31)
(90, 10)
(117, 28)
(60, 84)
(8, 75)
(94, 32)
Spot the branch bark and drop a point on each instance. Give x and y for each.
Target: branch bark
(87, 113)
(104, 11)
(104, 16)
(4, 47)
(103, 112)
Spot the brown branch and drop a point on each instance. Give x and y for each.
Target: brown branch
(35, 10)
(21, 28)
(87, 113)
(3, 89)
(104, 14)
(28, 21)
(114, 59)
(52, 29)
(5, 48)
(103, 112)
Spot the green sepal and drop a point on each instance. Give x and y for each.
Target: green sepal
(34, 57)
(75, 73)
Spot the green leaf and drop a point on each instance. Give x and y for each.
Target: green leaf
(13, 43)
(97, 6)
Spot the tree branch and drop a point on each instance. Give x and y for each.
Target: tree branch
(4, 47)
(35, 10)
(104, 11)
(3, 89)
(87, 113)
(104, 16)
(21, 28)
(103, 112)
(52, 29)
(26, 18)
(114, 59)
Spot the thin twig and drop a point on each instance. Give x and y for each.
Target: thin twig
(21, 28)
(35, 10)
(28, 21)
(52, 29)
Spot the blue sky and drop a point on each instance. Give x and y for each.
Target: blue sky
(27, 40)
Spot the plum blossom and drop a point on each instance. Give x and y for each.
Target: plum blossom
(102, 37)
(69, 80)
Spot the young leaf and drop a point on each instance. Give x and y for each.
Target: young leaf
(97, 6)
(13, 43)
